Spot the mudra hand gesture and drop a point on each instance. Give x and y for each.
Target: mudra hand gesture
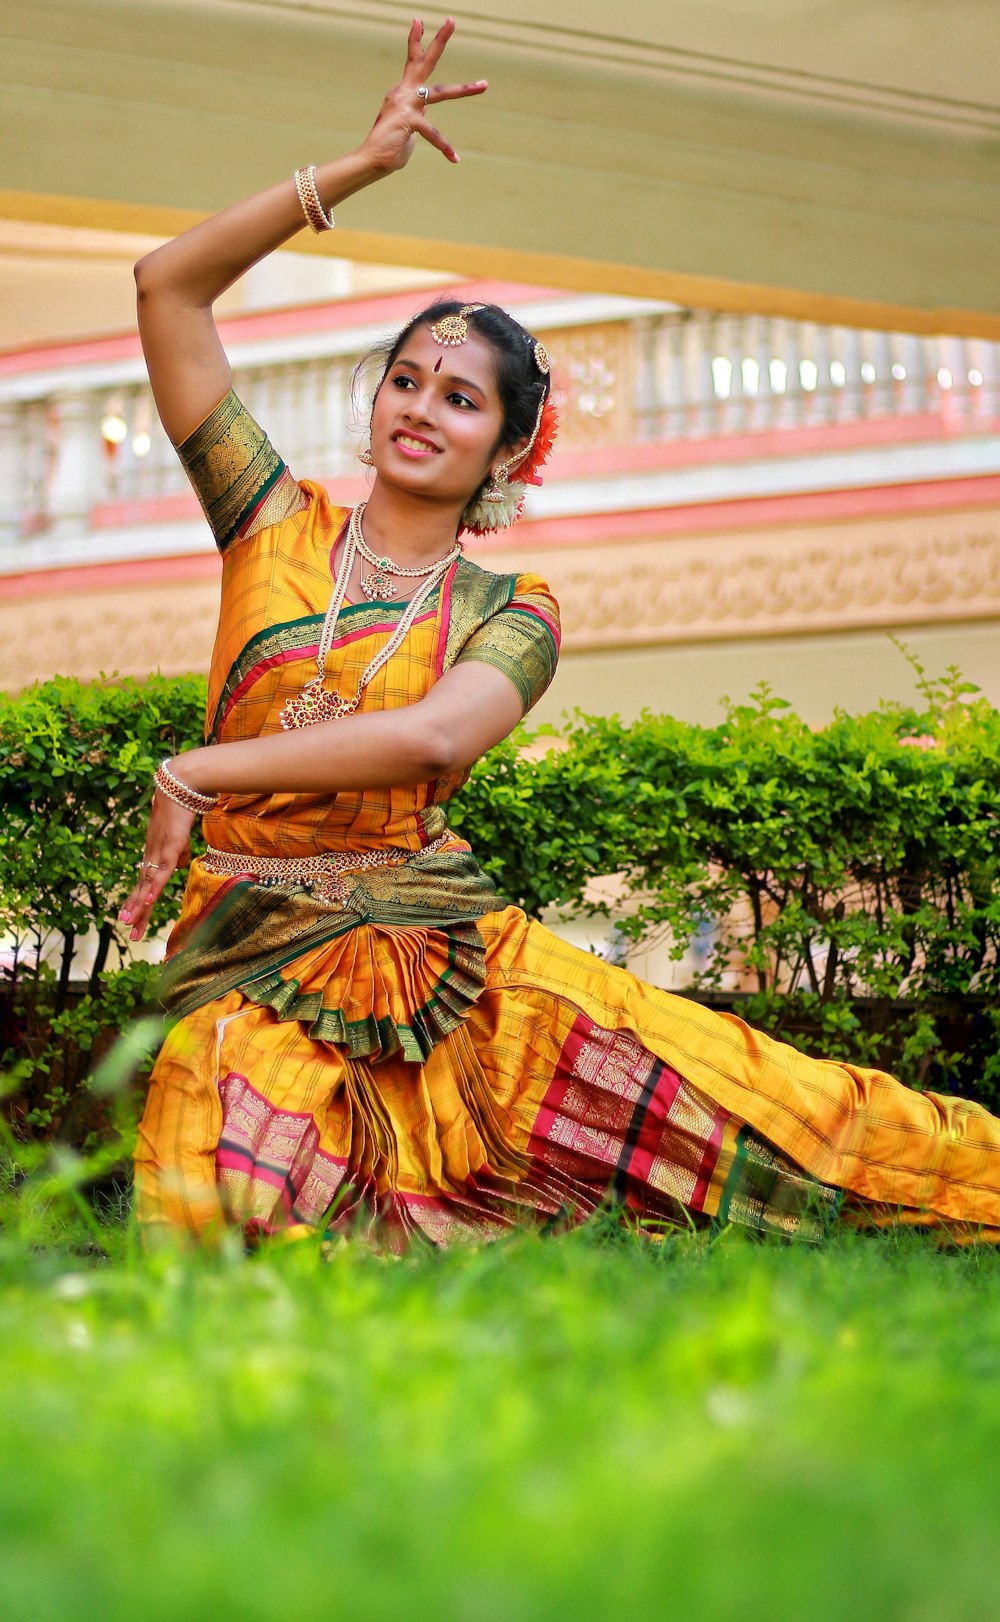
(403, 114)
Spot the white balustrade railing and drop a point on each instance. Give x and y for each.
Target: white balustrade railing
(74, 453)
(711, 375)
(68, 453)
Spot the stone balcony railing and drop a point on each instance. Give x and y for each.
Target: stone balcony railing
(80, 445)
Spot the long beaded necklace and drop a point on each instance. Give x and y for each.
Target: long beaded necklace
(316, 702)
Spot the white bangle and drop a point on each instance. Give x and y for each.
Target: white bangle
(181, 793)
(312, 208)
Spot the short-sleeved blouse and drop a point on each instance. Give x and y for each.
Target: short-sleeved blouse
(278, 537)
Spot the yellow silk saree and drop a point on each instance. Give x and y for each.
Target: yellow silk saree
(399, 1053)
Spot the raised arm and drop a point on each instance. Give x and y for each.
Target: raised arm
(179, 283)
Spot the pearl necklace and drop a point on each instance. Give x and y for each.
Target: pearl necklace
(317, 703)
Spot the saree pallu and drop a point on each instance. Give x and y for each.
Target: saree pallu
(423, 1062)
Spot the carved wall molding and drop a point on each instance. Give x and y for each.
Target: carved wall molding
(923, 569)
(131, 632)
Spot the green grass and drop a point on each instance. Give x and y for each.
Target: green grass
(582, 1427)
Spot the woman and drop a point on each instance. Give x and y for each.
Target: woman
(364, 1034)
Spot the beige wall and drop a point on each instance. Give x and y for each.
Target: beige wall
(671, 624)
(816, 674)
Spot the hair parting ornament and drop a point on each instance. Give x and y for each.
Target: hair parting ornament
(499, 504)
(453, 329)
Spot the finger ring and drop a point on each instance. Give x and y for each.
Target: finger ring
(423, 93)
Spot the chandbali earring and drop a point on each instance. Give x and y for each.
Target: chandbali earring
(498, 505)
(365, 453)
(499, 484)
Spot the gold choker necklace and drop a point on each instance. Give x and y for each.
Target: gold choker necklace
(378, 587)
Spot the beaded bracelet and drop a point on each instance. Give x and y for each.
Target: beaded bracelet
(170, 784)
(312, 208)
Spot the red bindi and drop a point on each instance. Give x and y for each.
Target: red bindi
(437, 365)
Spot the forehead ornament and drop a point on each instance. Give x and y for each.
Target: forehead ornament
(452, 330)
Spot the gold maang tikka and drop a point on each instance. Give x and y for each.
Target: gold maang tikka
(451, 330)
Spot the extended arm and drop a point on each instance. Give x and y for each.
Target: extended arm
(469, 710)
(178, 284)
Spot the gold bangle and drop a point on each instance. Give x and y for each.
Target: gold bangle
(312, 208)
(170, 784)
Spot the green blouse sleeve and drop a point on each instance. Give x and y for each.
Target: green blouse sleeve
(521, 639)
(239, 478)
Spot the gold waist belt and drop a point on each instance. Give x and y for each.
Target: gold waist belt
(319, 871)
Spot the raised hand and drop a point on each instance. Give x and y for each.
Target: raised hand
(403, 114)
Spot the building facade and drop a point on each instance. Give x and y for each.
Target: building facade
(733, 498)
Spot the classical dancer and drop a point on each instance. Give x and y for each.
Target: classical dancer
(363, 1036)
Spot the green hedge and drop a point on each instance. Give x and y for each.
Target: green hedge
(850, 870)
(75, 767)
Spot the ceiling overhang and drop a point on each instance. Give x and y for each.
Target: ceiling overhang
(768, 155)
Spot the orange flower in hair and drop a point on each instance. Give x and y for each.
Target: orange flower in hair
(548, 427)
(501, 503)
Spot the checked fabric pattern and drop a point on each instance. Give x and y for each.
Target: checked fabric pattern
(417, 1061)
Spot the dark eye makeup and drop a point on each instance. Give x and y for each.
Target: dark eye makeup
(403, 380)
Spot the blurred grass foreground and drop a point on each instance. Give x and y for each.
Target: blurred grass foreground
(589, 1426)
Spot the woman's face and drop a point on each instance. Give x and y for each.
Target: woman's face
(437, 418)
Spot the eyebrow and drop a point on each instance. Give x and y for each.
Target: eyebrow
(463, 382)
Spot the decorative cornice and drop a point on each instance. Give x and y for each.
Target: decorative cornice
(314, 332)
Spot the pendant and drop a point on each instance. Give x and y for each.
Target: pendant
(315, 704)
(379, 587)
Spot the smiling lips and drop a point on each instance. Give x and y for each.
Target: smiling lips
(414, 444)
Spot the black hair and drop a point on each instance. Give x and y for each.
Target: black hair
(520, 384)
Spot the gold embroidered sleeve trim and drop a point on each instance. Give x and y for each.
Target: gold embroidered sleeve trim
(521, 639)
(241, 482)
